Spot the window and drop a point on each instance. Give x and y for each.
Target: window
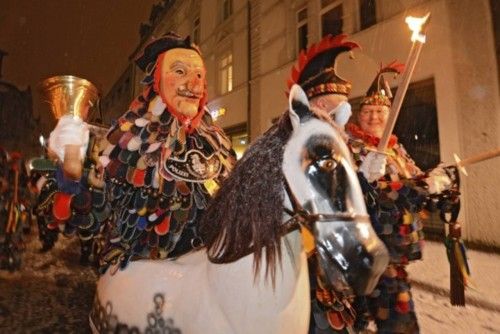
(239, 143)
(367, 13)
(302, 29)
(226, 73)
(331, 17)
(239, 138)
(227, 9)
(417, 129)
(417, 124)
(196, 31)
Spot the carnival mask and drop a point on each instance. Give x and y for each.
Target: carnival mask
(182, 81)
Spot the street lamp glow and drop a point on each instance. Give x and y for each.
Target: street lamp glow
(218, 112)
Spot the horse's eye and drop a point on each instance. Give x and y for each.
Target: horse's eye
(327, 165)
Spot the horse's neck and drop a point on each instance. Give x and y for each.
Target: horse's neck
(245, 296)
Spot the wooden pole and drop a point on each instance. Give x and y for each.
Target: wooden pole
(418, 39)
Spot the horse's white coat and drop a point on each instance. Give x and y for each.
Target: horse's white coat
(202, 297)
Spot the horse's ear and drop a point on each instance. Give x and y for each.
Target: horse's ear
(298, 106)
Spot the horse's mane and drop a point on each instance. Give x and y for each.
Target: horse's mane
(246, 213)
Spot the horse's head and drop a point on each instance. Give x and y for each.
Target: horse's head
(325, 195)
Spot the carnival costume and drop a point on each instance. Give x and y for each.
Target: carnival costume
(162, 166)
(15, 215)
(395, 199)
(393, 202)
(331, 311)
(72, 207)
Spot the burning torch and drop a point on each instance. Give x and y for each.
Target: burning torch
(416, 25)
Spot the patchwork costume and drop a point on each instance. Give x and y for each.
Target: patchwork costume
(162, 165)
(396, 201)
(74, 208)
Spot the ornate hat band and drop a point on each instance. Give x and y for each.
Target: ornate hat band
(329, 88)
(376, 100)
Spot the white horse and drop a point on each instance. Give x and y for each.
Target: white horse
(224, 288)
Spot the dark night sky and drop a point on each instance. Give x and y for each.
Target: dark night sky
(88, 38)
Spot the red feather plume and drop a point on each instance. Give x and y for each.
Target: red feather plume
(393, 67)
(305, 56)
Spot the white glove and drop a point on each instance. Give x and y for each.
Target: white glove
(69, 131)
(438, 181)
(373, 166)
(341, 114)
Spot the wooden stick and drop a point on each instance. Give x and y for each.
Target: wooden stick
(400, 94)
(416, 47)
(479, 157)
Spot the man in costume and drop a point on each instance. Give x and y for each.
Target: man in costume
(72, 207)
(315, 73)
(165, 158)
(331, 311)
(396, 191)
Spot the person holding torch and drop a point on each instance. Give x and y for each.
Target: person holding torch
(396, 191)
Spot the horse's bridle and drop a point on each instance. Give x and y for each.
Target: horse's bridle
(302, 217)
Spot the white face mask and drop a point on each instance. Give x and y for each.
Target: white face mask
(341, 113)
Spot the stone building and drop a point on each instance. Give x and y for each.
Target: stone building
(452, 105)
(17, 122)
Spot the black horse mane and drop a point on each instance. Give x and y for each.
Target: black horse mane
(246, 214)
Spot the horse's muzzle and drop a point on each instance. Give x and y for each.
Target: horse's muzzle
(350, 255)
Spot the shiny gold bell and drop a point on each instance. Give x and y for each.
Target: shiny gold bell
(69, 95)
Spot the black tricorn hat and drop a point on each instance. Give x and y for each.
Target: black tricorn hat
(171, 40)
(315, 68)
(379, 93)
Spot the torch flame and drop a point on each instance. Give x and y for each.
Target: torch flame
(415, 24)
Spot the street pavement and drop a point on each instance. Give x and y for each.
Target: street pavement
(430, 281)
(52, 293)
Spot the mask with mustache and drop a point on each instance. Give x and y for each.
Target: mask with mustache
(181, 82)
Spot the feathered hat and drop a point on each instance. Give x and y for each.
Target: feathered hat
(379, 93)
(315, 67)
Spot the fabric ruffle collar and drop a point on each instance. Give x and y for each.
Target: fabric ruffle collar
(371, 140)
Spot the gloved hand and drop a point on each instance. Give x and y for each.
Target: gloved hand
(341, 114)
(69, 131)
(373, 166)
(438, 180)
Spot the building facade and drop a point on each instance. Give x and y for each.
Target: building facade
(17, 121)
(452, 105)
